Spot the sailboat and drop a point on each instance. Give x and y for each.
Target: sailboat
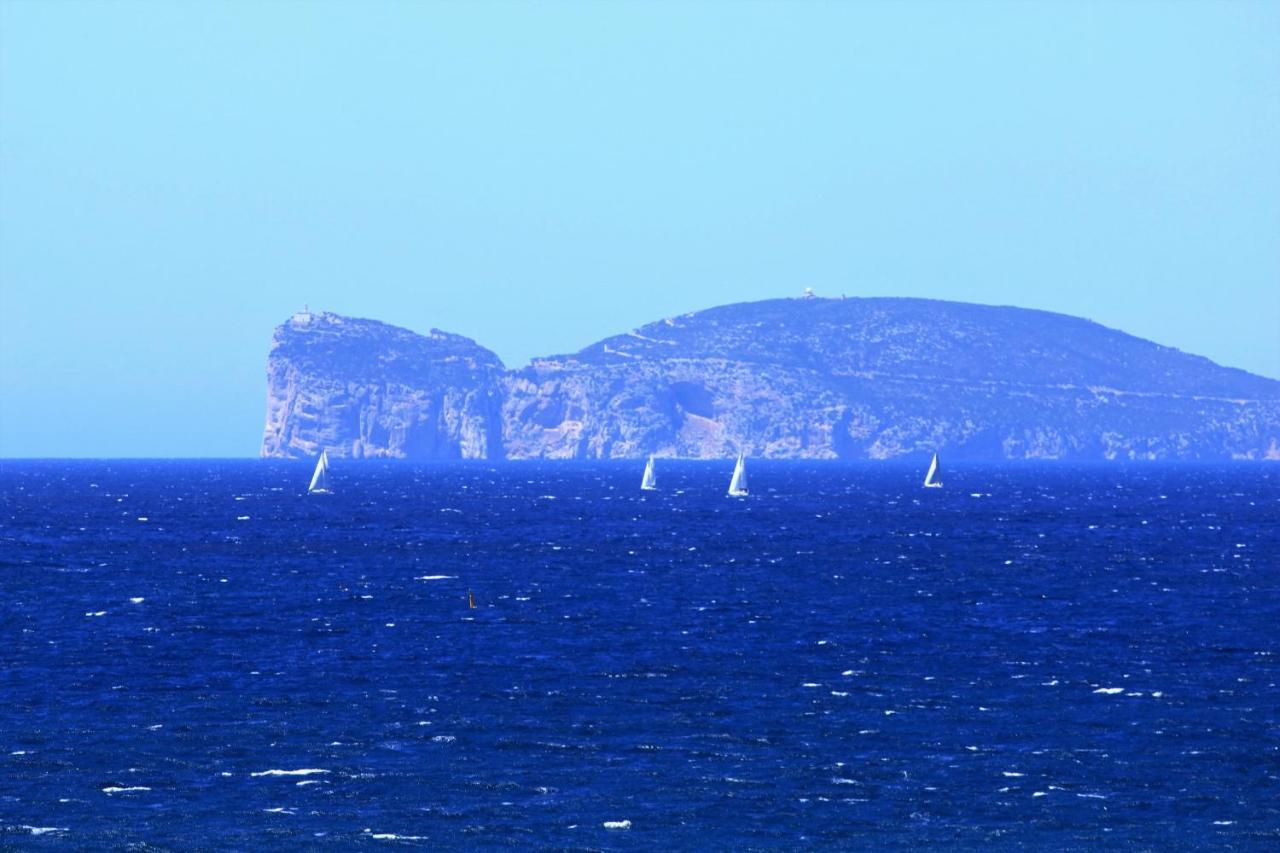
(320, 479)
(929, 481)
(650, 482)
(738, 485)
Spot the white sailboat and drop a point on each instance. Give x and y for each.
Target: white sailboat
(650, 481)
(738, 485)
(320, 479)
(929, 481)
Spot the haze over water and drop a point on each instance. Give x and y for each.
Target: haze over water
(199, 655)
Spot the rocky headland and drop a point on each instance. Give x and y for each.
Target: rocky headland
(872, 378)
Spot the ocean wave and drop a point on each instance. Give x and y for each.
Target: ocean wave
(43, 830)
(391, 836)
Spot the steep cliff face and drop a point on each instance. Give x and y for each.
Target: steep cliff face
(816, 378)
(878, 378)
(366, 389)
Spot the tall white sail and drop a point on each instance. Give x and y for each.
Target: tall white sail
(738, 485)
(929, 481)
(650, 482)
(320, 479)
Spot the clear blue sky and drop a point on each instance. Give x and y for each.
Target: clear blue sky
(177, 178)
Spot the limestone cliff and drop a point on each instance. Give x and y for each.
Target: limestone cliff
(365, 389)
(786, 378)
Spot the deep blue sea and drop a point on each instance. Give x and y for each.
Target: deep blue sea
(196, 655)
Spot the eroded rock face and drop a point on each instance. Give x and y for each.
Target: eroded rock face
(787, 378)
(365, 389)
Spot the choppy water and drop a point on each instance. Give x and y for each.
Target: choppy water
(196, 655)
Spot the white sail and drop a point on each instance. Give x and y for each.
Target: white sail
(929, 481)
(738, 485)
(650, 482)
(320, 479)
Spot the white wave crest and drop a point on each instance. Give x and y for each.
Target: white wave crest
(391, 836)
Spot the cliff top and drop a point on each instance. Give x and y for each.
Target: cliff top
(327, 343)
(931, 340)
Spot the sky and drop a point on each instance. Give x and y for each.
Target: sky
(176, 179)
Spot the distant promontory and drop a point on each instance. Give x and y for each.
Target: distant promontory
(809, 378)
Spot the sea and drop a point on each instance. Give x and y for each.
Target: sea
(198, 655)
